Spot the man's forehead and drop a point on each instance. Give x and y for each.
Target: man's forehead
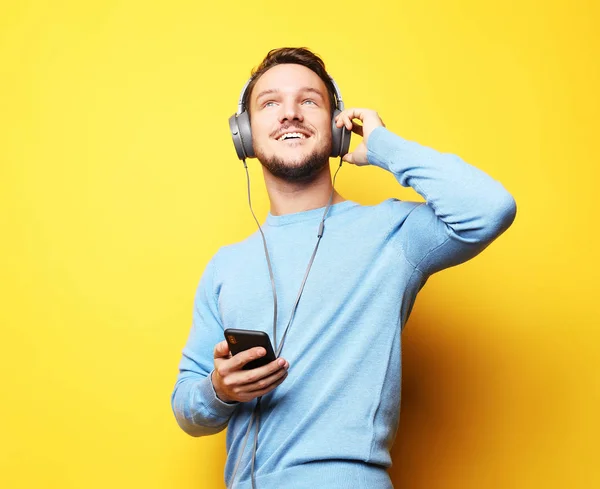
(289, 78)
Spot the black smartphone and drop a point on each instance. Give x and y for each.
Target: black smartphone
(244, 339)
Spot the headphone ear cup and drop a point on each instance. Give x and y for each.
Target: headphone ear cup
(241, 133)
(246, 133)
(340, 137)
(235, 135)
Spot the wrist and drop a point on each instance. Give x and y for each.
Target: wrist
(218, 394)
(379, 146)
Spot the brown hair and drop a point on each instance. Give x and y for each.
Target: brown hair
(300, 56)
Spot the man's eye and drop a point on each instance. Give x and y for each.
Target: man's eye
(266, 104)
(309, 100)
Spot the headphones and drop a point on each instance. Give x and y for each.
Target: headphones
(241, 132)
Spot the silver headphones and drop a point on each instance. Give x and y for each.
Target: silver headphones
(241, 132)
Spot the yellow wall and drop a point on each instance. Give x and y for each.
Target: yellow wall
(118, 181)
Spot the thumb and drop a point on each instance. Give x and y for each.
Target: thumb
(221, 350)
(348, 157)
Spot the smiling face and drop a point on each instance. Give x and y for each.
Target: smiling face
(290, 118)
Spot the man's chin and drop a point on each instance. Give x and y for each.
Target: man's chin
(294, 169)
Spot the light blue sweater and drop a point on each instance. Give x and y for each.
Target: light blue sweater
(332, 422)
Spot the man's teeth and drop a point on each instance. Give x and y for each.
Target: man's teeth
(292, 135)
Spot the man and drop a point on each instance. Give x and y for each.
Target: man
(329, 406)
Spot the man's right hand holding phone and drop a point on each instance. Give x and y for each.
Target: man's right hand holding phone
(233, 384)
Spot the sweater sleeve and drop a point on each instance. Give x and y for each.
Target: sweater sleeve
(197, 408)
(464, 210)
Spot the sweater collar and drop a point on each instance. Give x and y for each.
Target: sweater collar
(312, 214)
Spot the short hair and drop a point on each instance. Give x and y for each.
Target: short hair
(300, 56)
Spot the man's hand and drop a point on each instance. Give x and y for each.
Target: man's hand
(231, 383)
(370, 120)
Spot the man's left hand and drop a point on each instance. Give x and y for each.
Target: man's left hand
(370, 120)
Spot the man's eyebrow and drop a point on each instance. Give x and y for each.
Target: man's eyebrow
(276, 90)
(266, 92)
(312, 90)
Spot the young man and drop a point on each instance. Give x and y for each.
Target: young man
(329, 406)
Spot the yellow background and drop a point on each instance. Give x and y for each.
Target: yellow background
(119, 180)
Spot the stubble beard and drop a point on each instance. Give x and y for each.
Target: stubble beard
(304, 171)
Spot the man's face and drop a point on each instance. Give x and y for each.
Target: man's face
(291, 122)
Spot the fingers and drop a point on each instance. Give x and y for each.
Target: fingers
(266, 390)
(239, 377)
(358, 157)
(227, 365)
(221, 350)
(261, 373)
(346, 120)
(354, 127)
(367, 117)
(348, 158)
(265, 382)
(244, 357)
(245, 385)
(353, 113)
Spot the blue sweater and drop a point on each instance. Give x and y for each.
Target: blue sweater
(332, 422)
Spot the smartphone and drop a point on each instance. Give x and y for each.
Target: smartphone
(244, 339)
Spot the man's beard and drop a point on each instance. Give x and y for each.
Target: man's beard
(305, 171)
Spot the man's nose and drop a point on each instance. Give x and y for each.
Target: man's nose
(290, 111)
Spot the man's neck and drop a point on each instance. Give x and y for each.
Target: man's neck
(288, 198)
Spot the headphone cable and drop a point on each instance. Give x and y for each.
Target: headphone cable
(256, 410)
